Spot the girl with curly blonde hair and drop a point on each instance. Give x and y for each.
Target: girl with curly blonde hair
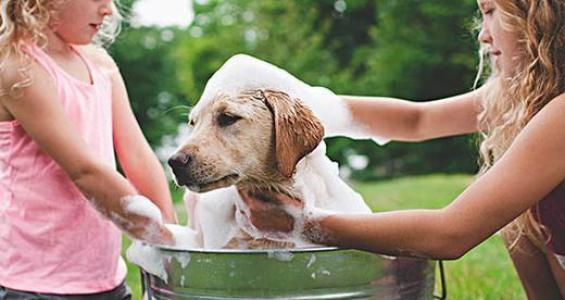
(64, 112)
(519, 112)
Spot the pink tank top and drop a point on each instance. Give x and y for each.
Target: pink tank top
(51, 239)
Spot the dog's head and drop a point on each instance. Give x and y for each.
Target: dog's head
(255, 136)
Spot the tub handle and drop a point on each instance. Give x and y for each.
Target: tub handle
(145, 286)
(443, 294)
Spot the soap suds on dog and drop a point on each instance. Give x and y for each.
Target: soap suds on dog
(243, 72)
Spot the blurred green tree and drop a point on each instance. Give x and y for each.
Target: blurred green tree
(411, 49)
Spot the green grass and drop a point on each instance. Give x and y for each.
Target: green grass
(485, 272)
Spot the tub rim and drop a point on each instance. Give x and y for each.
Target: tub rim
(253, 251)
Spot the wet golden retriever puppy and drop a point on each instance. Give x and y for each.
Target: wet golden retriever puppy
(256, 139)
(253, 140)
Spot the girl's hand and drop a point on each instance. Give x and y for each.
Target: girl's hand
(141, 219)
(146, 229)
(268, 210)
(166, 237)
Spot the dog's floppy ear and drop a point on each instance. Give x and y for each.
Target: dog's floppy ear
(297, 131)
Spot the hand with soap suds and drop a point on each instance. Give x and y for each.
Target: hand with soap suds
(142, 220)
(340, 121)
(273, 213)
(267, 211)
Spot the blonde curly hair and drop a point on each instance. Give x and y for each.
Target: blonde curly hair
(24, 21)
(511, 101)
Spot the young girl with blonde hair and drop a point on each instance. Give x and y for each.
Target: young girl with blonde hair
(520, 113)
(64, 110)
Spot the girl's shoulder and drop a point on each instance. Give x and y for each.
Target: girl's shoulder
(549, 122)
(560, 98)
(14, 69)
(556, 104)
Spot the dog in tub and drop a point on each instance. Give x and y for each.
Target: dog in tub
(257, 128)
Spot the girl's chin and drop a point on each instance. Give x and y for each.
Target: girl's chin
(81, 41)
(77, 40)
(495, 60)
(502, 69)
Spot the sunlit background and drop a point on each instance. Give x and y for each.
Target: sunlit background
(162, 13)
(409, 49)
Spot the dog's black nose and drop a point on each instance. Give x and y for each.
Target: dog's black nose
(180, 160)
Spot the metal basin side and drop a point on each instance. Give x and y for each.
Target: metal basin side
(319, 273)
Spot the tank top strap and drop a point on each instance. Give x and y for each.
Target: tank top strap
(92, 69)
(42, 59)
(100, 77)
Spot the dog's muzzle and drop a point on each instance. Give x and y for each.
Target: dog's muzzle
(180, 163)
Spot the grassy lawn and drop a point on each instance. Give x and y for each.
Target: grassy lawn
(485, 272)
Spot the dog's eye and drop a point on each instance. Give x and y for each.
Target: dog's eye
(227, 120)
(191, 122)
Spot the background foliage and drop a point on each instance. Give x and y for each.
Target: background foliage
(410, 49)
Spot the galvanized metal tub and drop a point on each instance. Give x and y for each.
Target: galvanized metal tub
(317, 273)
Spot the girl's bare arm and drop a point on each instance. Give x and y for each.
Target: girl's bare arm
(137, 159)
(403, 120)
(530, 169)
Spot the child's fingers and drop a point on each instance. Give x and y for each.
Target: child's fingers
(167, 237)
(250, 201)
(286, 200)
(255, 199)
(258, 202)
